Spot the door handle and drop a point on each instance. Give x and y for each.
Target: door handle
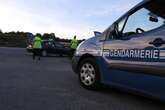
(157, 42)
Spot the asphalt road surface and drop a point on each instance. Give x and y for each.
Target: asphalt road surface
(50, 84)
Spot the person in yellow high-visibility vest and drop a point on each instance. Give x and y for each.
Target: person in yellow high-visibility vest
(50, 40)
(37, 46)
(74, 44)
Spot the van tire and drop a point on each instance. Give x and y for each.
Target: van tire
(88, 72)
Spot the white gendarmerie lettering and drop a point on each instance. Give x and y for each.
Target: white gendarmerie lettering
(142, 54)
(136, 53)
(156, 54)
(148, 54)
(106, 53)
(133, 53)
(116, 53)
(127, 53)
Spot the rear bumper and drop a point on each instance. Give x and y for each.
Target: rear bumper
(75, 61)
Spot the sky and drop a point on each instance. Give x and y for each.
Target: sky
(65, 18)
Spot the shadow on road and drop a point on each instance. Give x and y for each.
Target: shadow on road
(127, 95)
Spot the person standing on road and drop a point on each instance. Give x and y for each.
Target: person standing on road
(50, 40)
(74, 44)
(37, 46)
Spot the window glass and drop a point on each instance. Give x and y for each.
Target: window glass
(121, 24)
(145, 19)
(59, 45)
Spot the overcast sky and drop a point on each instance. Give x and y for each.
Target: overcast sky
(63, 17)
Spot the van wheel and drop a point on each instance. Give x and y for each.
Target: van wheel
(44, 53)
(89, 76)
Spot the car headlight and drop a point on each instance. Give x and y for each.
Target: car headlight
(29, 46)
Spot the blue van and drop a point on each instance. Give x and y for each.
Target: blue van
(130, 54)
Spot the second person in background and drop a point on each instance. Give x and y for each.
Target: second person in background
(73, 45)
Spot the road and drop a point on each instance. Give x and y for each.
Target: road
(50, 84)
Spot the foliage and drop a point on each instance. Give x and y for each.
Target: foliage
(19, 39)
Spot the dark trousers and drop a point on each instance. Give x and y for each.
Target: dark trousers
(36, 52)
(72, 52)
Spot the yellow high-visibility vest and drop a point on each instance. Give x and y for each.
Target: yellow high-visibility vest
(37, 43)
(74, 44)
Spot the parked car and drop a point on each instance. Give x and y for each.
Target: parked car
(52, 48)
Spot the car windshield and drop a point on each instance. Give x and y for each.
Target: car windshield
(58, 45)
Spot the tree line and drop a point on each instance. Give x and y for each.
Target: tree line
(20, 39)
